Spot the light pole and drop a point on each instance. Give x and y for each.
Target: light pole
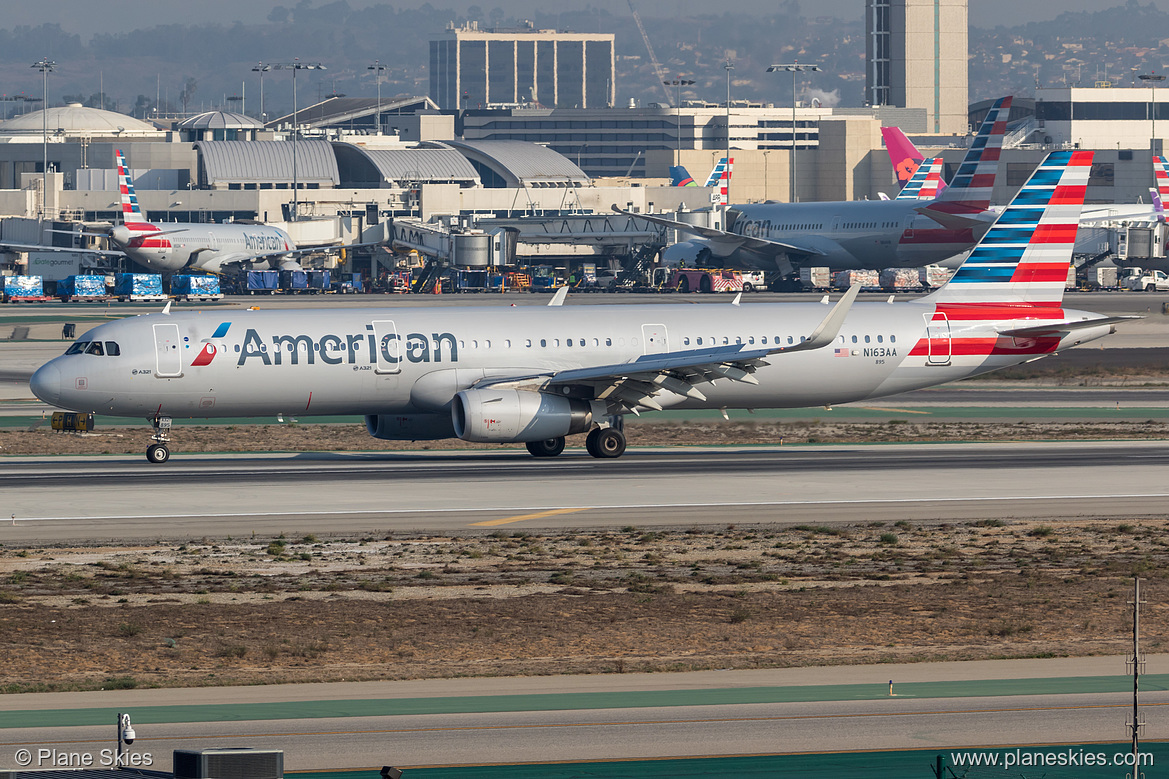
(377, 68)
(261, 68)
(294, 66)
(794, 68)
(677, 84)
(1151, 79)
(726, 196)
(45, 66)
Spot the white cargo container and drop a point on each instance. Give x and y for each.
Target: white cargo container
(815, 278)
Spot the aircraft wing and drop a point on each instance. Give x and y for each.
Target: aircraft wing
(634, 384)
(725, 239)
(35, 247)
(1063, 327)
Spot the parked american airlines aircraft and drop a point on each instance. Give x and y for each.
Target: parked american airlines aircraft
(175, 246)
(537, 374)
(848, 235)
(925, 182)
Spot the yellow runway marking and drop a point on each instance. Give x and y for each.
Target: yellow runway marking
(522, 517)
(898, 410)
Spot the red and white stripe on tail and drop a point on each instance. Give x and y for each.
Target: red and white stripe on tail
(1024, 258)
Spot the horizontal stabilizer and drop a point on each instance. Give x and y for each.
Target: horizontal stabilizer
(1062, 327)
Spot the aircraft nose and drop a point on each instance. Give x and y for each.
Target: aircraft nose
(46, 383)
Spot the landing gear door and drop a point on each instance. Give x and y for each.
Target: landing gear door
(654, 339)
(938, 339)
(388, 347)
(168, 356)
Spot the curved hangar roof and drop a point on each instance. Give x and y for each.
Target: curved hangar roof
(220, 120)
(266, 162)
(75, 120)
(363, 168)
(520, 164)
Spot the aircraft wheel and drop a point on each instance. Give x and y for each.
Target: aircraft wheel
(607, 443)
(157, 453)
(549, 447)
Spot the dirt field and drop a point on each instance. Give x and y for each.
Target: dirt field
(268, 610)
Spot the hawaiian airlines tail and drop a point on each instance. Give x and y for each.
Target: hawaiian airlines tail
(902, 153)
(925, 183)
(973, 184)
(1024, 257)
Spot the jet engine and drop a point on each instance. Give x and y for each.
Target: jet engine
(409, 427)
(691, 254)
(510, 416)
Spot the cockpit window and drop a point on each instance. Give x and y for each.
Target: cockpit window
(78, 347)
(95, 348)
(112, 348)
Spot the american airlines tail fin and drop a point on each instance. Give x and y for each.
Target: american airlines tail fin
(973, 184)
(1161, 176)
(925, 181)
(722, 174)
(1024, 258)
(720, 170)
(903, 154)
(679, 177)
(131, 213)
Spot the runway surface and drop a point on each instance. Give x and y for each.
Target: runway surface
(95, 498)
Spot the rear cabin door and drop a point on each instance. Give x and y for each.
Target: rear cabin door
(168, 355)
(938, 339)
(654, 339)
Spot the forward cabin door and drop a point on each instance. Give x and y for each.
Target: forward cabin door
(168, 357)
(389, 348)
(654, 339)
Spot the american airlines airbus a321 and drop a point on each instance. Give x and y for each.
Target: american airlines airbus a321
(537, 374)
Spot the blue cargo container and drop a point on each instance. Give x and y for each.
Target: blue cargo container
(24, 287)
(318, 280)
(138, 286)
(293, 280)
(467, 280)
(263, 281)
(81, 287)
(202, 287)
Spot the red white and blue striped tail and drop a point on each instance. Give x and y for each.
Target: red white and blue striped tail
(971, 189)
(131, 213)
(1161, 176)
(923, 184)
(1024, 258)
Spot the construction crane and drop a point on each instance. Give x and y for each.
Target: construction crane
(648, 47)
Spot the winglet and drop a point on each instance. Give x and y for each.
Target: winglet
(738, 299)
(166, 308)
(826, 332)
(558, 298)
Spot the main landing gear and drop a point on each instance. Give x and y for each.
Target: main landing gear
(605, 443)
(158, 453)
(549, 447)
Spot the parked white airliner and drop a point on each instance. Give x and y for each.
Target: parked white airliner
(537, 374)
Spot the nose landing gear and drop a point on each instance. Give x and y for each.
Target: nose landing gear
(158, 453)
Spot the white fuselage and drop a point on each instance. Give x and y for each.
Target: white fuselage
(413, 361)
(208, 247)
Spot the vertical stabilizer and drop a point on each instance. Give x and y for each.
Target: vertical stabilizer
(923, 185)
(131, 213)
(680, 177)
(904, 156)
(973, 184)
(1025, 256)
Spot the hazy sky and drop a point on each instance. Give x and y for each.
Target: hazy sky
(112, 15)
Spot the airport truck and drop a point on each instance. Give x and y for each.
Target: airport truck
(694, 280)
(1147, 281)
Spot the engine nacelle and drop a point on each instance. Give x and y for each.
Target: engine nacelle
(513, 416)
(688, 253)
(409, 427)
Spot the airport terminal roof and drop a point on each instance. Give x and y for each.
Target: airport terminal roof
(520, 164)
(427, 162)
(339, 111)
(220, 120)
(76, 120)
(256, 162)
